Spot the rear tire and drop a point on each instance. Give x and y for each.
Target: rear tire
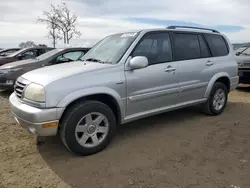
(87, 127)
(217, 100)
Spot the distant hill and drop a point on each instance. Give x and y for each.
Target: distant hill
(238, 45)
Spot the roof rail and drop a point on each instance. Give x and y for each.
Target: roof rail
(189, 27)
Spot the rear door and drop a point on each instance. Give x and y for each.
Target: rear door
(193, 57)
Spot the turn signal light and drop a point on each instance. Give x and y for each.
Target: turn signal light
(48, 125)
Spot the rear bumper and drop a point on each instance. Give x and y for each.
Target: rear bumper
(42, 122)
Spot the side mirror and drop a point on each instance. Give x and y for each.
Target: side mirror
(138, 62)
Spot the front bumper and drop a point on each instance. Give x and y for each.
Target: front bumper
(8, 86)
(35, 120)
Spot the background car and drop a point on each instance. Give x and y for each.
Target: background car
(23, 54)
(6, 52)
(11, 71)
(243, 60)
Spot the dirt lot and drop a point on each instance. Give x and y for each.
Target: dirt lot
(181, 149)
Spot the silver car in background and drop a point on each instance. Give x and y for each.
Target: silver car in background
(125, 77)
(243, 60)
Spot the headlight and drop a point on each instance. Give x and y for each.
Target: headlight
(5, 71)
(35, 92)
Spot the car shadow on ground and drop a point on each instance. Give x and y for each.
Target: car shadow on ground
(61, 161)
(243, 88)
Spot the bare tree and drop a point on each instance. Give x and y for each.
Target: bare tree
(66, 21)
(60, 22)
(27, 44)
(50, 18)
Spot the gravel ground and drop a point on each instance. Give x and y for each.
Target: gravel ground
(180, 149)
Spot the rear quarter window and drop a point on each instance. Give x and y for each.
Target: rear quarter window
(217, 45)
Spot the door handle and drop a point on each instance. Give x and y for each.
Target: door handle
(170, 69)
(209, 63)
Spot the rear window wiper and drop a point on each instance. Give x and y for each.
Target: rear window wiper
(94, 60)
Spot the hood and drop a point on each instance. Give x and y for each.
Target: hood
(49, 74)
(242, 59)
(18, 63)
(4, 60)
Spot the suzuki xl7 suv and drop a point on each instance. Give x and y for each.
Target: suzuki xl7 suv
(125, 77)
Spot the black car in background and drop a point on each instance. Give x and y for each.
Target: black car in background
(11, 71)
(8, 51)
(26, 53)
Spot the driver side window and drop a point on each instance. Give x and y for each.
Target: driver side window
(69, 56)
(156, 47)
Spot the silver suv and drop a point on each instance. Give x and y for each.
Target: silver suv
(125, 77)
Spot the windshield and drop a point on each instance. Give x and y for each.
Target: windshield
(16, 53)
(49, 54)
(7, 52)
(111, 49)
(245, 52)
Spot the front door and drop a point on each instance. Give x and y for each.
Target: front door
(154, 88)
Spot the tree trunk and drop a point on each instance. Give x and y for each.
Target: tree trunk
(64, 37)
(54, 38)
(67, 34)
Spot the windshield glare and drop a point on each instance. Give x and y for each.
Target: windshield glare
(112, 48)
(16, 53)
(48, 54)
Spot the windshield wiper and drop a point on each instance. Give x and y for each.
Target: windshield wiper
(245, 54)
(94, 60)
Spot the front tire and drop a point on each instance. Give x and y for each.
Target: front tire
(87, 127)
(217, 100)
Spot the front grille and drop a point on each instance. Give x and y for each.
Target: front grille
(19, 87)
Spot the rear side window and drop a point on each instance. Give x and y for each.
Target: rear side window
(217, 45)
(186, 46)
(204, 49)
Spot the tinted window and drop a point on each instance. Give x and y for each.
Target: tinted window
(47, 50)
(28, 54)
(186, 46)
(204, 49)
(156, 47)
(217, 45)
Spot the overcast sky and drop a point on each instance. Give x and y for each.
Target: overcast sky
(98, 18)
